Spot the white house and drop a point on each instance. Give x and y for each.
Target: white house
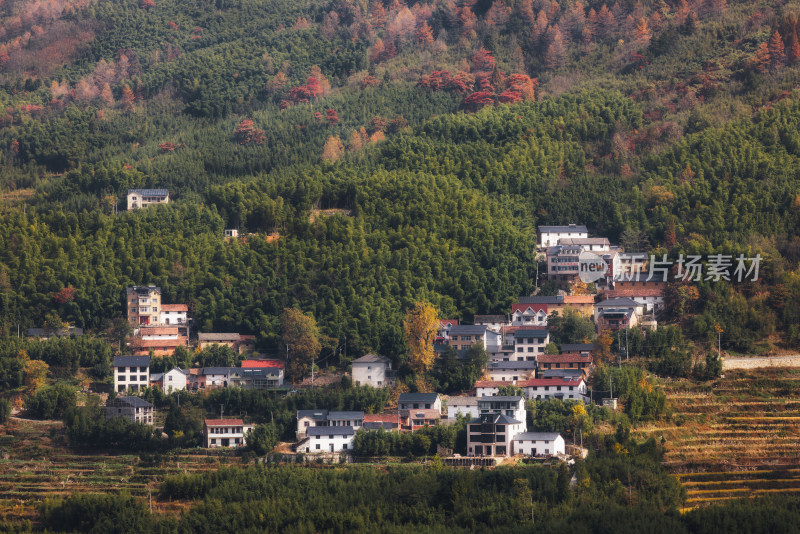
(372, 370)
(142, 198)
(174, 314)
(464, 406)
(501, 418)
(495, 323)
(512, 406)
(174, 380)
(464, 336)
(131, 373)
(491, 434)
(530, 342)
(525, 314)
(538, 444)
(617, 313)
(589, 244)
(511, 371)
(490, 388)
(307, 419)
(330, 439)
(444, 327)
(550, 235)
(417, 401)
(225, 432)
(133, 409)
(566, 388)
(216, 377)
(231, 232)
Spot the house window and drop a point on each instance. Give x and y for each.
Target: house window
(318, 446)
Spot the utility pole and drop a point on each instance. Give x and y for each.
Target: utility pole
(313, 359)
(627, 354)
(619, 351)
(221, 411)
(719, 330)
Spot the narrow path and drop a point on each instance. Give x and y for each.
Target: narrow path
(768, 361)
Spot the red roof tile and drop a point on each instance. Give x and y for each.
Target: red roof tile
(260, 364)
(380, 418)
(492, 383)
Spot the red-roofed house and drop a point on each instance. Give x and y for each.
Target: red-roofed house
(225, 432)
(528, 314)
(160, 347)
(652, 298)
(280, 364)
(386, 421)
(444, 328)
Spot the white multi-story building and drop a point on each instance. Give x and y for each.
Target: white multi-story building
(174, 314)
(142, 198)
(420, 401)
(174, 380)
(307, 419)
(330, 439)
(567, 388)
(538, 444)
(511, 371)
(373, 370)
(463, 406)
(501, 418)
(133, 409)
(131, 373)
(550, 235)
(529, 343)
(225, 432)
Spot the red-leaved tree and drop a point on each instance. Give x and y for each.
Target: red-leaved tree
(246, 133)
(477, 100)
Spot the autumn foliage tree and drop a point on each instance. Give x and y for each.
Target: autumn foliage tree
(477, 100)
(333, 149)
(246, 133)
(424, 35)
(331, 117)
(420, 327)
(300, 336)
(482, 60)
(777, 53)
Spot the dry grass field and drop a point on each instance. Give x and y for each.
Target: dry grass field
(735, 437)
(34, 465)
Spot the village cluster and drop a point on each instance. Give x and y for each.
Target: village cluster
(625, 296)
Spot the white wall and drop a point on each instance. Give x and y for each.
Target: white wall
(369, 374)
(323, 443)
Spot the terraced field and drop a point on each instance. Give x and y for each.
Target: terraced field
(736, 437)
(34, 465)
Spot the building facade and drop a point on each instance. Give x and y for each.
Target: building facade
(142, 198)
(131, 373)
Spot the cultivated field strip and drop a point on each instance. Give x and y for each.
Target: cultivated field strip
(737, 437)
(33, 469)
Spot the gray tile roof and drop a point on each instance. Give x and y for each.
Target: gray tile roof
(317, 415)
(338, 416)
(531, 332)
(330, 431)
(211, 337)
(132, 361)
(512, 365)
(372, 358)
(150, 192)
(541, 300)
(216, 370)
(490, 318)
(617, 303)
(418, 397)
(568, 228)
(133, 402)
(537, 436)
(467, 330)
(577, 347)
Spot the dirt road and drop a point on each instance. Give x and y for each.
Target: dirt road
(769, 361)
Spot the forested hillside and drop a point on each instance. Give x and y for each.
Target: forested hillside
(440, 133)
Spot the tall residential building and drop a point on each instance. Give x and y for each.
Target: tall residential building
(143, 304)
